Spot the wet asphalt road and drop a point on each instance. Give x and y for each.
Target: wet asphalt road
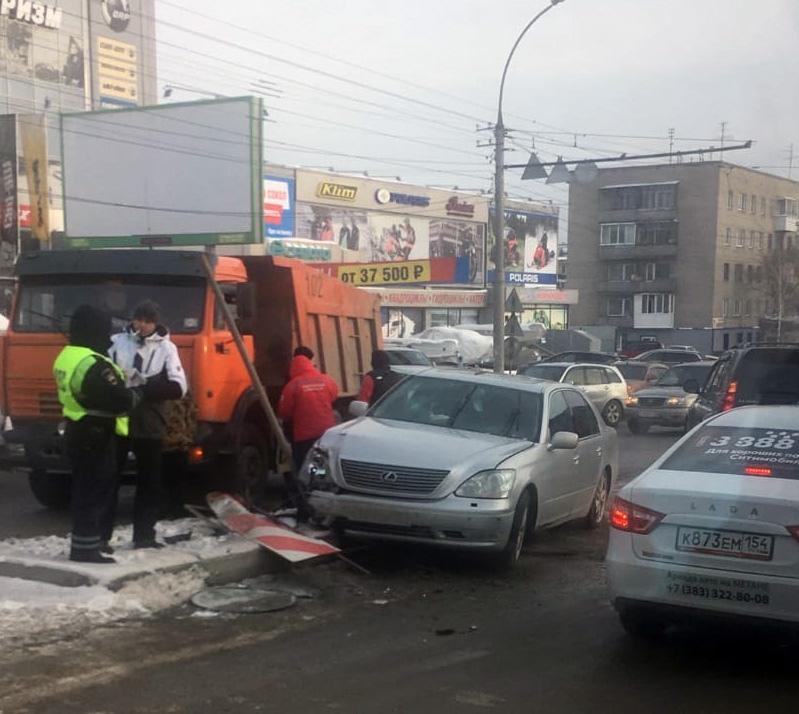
(426, 632)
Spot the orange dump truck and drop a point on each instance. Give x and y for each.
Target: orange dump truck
(279, 304)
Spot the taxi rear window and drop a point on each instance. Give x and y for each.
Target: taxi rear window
(744, 451)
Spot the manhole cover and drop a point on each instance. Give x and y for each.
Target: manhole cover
(242, 600)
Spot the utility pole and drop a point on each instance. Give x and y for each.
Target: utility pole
(723, 132)
(671, 143)
(499, 207)
(790, 160)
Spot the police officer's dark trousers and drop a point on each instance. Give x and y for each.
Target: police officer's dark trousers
(91, 447)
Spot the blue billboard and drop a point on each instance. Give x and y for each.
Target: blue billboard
(279, 197)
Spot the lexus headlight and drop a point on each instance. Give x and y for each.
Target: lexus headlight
(675, 402)
(316, 467)
(488, 484)
(631, 401)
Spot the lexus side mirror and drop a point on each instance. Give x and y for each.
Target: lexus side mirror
(564, 440)
(357, 409)
(691, 386)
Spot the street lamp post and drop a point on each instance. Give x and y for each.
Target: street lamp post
(499, 208)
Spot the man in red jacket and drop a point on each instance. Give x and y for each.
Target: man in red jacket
(307, 404)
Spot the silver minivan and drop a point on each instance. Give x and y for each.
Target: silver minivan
(602, 384)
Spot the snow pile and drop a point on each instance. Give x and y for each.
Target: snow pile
(472, 346)
(29, 608)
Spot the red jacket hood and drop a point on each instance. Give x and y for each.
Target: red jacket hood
(301, 365)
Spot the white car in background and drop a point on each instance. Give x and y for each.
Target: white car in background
(603, 384)
(712, 527)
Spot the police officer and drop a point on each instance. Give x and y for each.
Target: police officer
(94, 400)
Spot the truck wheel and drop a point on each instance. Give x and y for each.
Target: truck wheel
(252, 459)
(52, 490)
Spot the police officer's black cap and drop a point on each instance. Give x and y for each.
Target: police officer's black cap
(90, 327)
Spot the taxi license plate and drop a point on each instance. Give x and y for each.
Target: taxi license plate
(733, 544)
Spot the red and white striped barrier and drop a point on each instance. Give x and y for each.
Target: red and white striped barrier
(263, 530)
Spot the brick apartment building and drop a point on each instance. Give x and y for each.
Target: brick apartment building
(675, 251)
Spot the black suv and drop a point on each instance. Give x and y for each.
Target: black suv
(750, 374)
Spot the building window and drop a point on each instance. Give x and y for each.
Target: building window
(750, 273)
(759, 274)
(743, 202)
(657, 303)
(621, 272)
(618, 307)
(748, 308)
(770, 242)
(726, 272)
(789, 242)
(753, 207)
(752, 240)
(728, 237)
(741, 239)
(657, 197)
(762, 206)
(760, 240)
(787, 207)
(730, 200)
(739, 273)
(657, 271)
(661, 233)
(617, 234)
(725, 307)
(736, 307)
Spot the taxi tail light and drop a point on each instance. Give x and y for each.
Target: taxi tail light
(629, 517)
(730, 397)
(794, 531)
(757, 470)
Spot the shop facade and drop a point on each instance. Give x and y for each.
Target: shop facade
(426, 246)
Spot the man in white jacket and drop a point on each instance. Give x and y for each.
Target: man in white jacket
(149, 359)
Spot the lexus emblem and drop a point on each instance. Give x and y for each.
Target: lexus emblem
(389, 477)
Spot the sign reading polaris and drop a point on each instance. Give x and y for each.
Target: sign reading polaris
(525, 278)
(384, 196)
(116, 14)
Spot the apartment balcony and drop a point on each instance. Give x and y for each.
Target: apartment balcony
(625, 321)
(637, 215)
(632, 252)
(786, 224)
(630, 287)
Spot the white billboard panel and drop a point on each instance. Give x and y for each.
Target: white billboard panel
(176, 174)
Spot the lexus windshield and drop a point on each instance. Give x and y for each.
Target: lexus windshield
(463, 405)
(46, 303)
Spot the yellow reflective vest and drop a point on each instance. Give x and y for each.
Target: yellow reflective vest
(69, 370)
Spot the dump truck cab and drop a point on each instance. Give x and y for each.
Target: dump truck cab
(281, 303)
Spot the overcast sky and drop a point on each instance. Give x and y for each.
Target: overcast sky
(411, 79)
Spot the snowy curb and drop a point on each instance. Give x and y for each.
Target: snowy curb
(224, 559)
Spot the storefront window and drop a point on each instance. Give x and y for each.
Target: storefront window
(402, 322)
(552, 317)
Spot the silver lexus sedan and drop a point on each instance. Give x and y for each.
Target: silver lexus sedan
(464, 459)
